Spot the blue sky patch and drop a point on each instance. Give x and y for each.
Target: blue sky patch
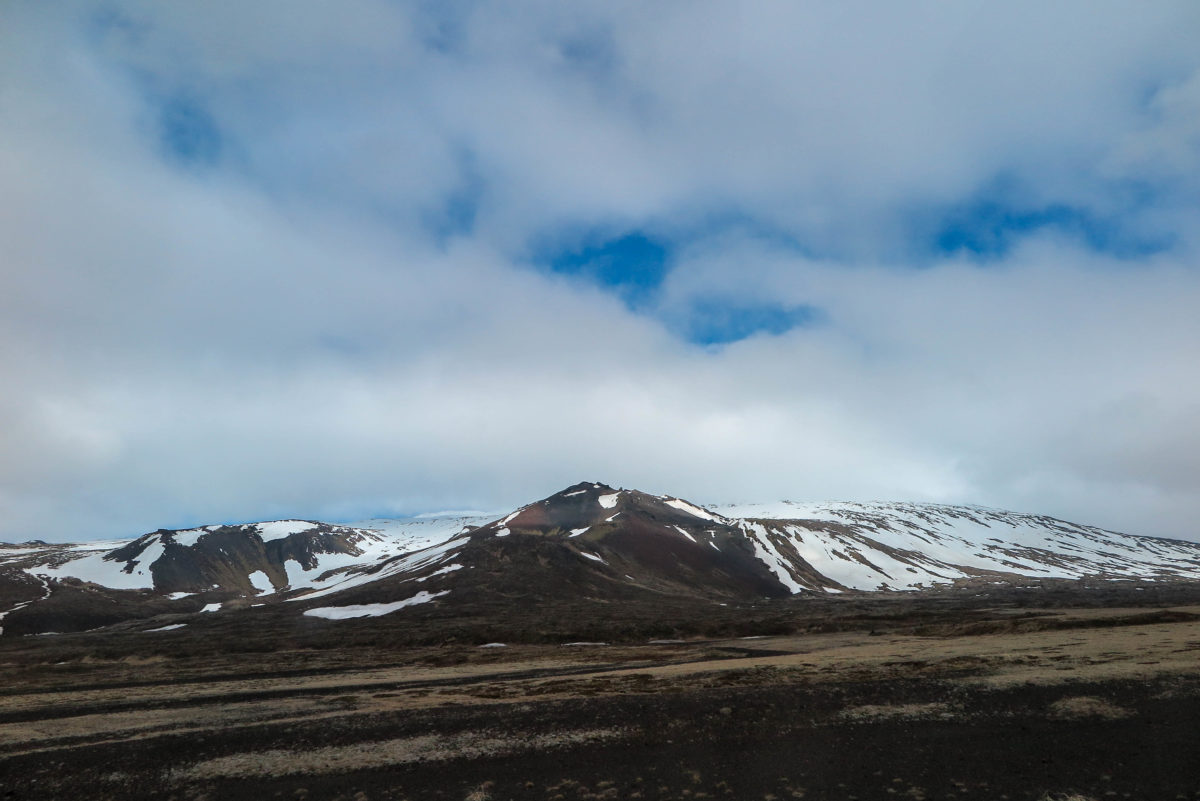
(633, 266)
(187, 131)
(592, 53)
(457, 214)
(990, 229)
(714, 321)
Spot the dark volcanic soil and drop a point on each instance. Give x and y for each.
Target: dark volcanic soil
(762, 742)
(1079, 701)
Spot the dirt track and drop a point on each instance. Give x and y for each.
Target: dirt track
(1101, 703)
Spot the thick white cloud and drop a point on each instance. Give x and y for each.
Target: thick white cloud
(335, 315)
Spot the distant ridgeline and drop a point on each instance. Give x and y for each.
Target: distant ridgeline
(587, 541)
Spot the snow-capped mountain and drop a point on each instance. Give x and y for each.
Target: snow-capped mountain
(219, 566)
(900, 546)
(587, 541)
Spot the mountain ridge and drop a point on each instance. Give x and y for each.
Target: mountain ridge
(588, 541)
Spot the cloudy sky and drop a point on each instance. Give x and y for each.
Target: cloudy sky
(336, 260)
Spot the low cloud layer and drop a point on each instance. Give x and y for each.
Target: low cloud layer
(297, 260)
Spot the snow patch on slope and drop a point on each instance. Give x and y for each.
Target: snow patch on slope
(191, 536)
(98, 569)
(46, 590)
(441, 572)
(278, 529)
(371, 610)
(766, 552)
(261, 582)
(694, 511)
(684, 533)
(379, 562)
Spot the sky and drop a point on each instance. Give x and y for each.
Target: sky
(368, 258)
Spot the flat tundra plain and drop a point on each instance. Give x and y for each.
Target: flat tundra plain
(1094, 702)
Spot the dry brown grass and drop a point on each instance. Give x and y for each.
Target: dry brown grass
(383, 753)
(80, 707)
(871, 712)
(1087, 706)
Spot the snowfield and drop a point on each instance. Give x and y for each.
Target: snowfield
(98, 568)
(904, 546)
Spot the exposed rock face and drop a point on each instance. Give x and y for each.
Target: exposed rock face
(77, 587)
(224, 557)
(630, 537)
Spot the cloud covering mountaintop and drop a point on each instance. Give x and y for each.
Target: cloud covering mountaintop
(337, 260)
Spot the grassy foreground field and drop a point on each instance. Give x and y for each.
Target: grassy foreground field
(1002, 701)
